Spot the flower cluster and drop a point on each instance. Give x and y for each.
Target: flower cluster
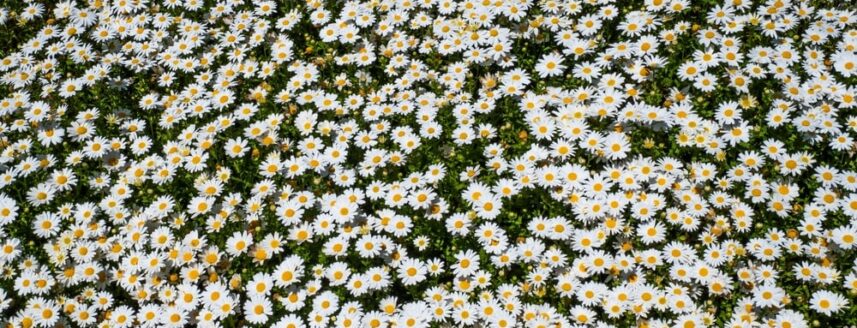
(417, 163)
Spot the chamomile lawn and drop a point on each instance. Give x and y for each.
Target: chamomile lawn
(423, 163)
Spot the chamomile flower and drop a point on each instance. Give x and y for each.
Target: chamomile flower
(550, 65)
(826, 302)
